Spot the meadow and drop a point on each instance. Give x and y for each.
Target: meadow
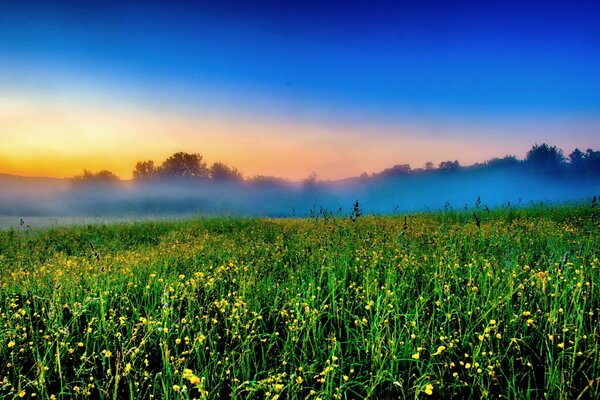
(455, 304)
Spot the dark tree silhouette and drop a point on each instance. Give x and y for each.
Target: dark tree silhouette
(396, 170)
(576, 157)
(221, 172)
(268, 181)
(106, 175)
(144, 170)
(545, 157)
(577, 161)
(310, 182)
(592, 162)
(585, 164)
(102, 177)
(184, 165)
(448, 166)
(504, 162)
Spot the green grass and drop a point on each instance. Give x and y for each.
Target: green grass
(305, 308)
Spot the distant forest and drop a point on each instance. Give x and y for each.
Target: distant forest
(540, 159)
(184, 184)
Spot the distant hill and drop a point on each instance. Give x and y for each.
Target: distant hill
(33, 185)
(9, 177)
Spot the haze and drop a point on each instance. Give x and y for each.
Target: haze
(288, 89)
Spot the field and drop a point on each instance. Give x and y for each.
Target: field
(458, 304)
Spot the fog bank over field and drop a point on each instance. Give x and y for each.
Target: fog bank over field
(183, 185)
(425, 191)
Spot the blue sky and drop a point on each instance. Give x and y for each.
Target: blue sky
(329, 64)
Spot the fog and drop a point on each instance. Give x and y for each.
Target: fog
(176, 198)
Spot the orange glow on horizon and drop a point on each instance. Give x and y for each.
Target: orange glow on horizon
(60, 140)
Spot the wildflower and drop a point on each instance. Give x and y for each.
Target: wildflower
(11, 344)
(429, 389)
(440, 349)
(416, 356)
(493, 322)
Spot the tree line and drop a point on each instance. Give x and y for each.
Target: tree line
(180, 165)
(542, 158)
(185, 165)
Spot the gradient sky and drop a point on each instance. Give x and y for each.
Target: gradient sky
(286, 88)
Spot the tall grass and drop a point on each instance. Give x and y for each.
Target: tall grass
(384, 307)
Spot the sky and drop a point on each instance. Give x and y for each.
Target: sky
(295, 87)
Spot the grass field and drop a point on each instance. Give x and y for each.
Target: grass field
(435, 305)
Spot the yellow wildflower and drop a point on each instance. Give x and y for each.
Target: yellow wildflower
(440, 349)
(429, 389)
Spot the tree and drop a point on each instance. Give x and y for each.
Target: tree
(396, 170)
(504, 162)
(310, 182)
(102, 177)
(428, 166)
(184, 165)
(592, 161)
(221, 172)
(144, 170)
(449, 166)
(545, 157)
(106, 176)
(264, 180)
(576, 157)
